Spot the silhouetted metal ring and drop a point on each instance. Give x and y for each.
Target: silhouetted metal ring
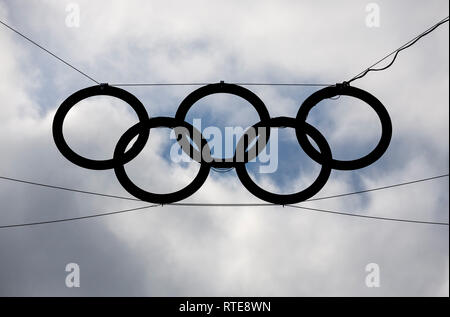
(78, 96)
(232, 89)
(342, 89)
(146, 125)
(314, 188)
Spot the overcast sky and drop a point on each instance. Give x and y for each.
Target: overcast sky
(223, 251)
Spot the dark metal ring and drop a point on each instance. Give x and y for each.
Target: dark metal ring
(232, 89)
(146, 125)
(314, 188)
(79, 160)
(332, 91)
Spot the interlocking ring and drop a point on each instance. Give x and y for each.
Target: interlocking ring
(310, 191)
(333, 91)
(146, 125)
(232, 89)
(79, 160)
(185, 131)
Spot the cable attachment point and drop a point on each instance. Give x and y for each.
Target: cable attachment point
(221, 83)
(340, 87)
(344, 84)
(103, 85)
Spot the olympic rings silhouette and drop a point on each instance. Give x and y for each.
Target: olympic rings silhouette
(201, 152)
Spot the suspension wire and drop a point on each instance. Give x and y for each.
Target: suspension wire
(225, 205)
(208, 83)
(151, 84)
(358, 76)
(311, 209)
(67, 188)
(397, 51)
(27, 224)
(370, 217)
(49, 52)
(241, 204)
(157, 84)
(379, 188)
(222, 170)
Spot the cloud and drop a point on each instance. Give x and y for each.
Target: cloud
(221, 250)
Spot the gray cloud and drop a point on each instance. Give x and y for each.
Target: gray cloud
(222, 251)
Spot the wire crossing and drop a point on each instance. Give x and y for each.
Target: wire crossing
(225, 205)
(80, 191)
(28, 224)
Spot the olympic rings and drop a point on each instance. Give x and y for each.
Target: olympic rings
(79, 160)
(202, 154)
(330, 92)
